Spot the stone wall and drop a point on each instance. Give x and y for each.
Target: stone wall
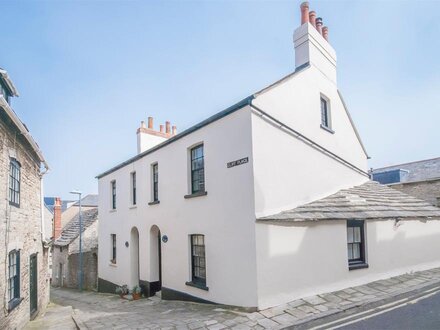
(90, 270)
(426, 190)
(69, 257)
(20, 227)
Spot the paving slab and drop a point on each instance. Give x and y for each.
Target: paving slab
(105, 311)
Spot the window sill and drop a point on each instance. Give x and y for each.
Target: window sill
(357, 266)
(154, 203)
(14, 303)
(197, 194)
(14, 204)
(112, 264)
(328, 129)
(197, 285)
(133, 207)
(112, 210)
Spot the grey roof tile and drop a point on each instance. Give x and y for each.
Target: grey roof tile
(417, 171)
(368, 201)
(71, 230)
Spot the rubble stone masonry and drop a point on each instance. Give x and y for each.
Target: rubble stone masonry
(20, 227)
(428, 190)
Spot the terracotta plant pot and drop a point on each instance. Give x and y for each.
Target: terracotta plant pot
(136, 296)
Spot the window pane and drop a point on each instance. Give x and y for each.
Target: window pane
(356, 251)
(350, 235)
(357, 234)
(350, 251)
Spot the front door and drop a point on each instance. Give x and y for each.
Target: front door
(33, 284)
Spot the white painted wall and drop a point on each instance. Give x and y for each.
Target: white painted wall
(147, 141)
(311, 47)
(225, 216)
(289, 172)
(300, 260)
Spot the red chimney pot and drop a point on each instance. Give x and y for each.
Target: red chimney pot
(312, 18)
(319, 24)
(150, 122)
(325, 32)
(304, 13)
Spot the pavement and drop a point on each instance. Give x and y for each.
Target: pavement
(93, 310)
(56, 317)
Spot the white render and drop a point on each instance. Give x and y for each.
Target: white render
(292, 161)
(303, 260)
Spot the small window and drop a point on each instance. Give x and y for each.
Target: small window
(13, 278)
(14, 182)
(356, 244)
(133, 188)
(113, 186)
(155, 177)
(113, 250)
(61, 249)
(198, 261)
(325, 113)
(4, 92)
(197, 170)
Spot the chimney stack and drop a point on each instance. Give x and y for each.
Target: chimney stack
(319, 25)
(312, 18)
(325, 32)
(304, 13)
(148, 137)
(57, 218)
(312, 46)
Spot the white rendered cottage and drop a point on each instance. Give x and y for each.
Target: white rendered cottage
(216, 213)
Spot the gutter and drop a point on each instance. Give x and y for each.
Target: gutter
(23, 130)
(308, 141)
(220, 115)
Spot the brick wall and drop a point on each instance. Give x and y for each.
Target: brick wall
(20, 227)
(426, 190)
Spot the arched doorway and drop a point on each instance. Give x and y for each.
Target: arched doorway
(134, 257)
(155, 260)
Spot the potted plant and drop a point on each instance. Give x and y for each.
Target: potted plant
(136, 292)
(122, 290)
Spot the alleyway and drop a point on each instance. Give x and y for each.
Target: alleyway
(105, 311)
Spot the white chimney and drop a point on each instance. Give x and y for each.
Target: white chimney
(147, 137)
(312, 47)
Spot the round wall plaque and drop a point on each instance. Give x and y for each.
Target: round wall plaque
(164, 238)
(126, 244)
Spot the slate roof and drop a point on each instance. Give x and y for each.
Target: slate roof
(369, 201)
(417, 171)
(89, 200)
(71, 230)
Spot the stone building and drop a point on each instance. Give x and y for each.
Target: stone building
(24, 283)
(65, 252)
(420, 179)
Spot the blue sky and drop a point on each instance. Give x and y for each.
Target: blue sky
(89, 72)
